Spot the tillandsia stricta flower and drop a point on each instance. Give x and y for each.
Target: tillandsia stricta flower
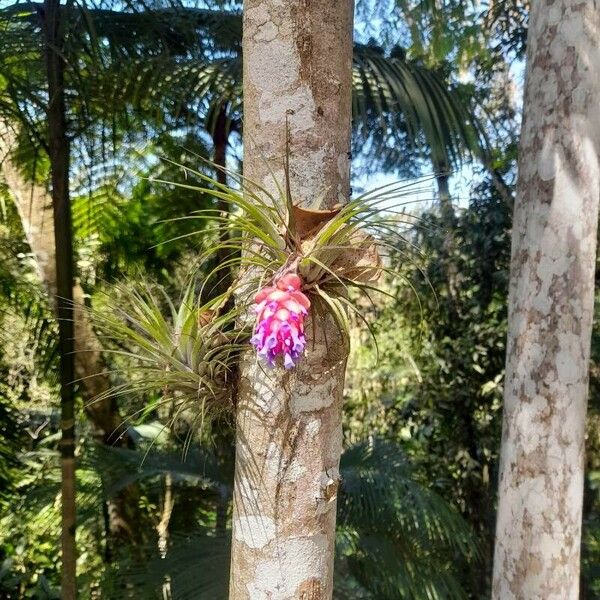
(279, 330)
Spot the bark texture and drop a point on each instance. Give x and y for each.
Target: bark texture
(297, 68)
(34, 205)
(550, 308)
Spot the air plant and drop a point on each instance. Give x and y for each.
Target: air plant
(295, 263)
(189, 356)
(295, 259)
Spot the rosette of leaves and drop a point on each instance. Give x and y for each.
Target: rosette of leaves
(184, 353)
(333, 251)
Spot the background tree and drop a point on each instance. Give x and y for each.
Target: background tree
(550, 310)
(59, 154)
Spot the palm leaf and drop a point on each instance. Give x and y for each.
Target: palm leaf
(380, 548)
(401, 540)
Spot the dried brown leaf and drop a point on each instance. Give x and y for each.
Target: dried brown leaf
(307, 221)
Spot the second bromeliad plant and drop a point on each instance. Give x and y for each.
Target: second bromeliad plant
(290, 266)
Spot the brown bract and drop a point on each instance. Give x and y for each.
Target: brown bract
(205, 317)
(308, 222)
(361, 262)
(356, 260)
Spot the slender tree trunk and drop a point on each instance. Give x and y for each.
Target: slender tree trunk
(449, 223)
(222, 431)
(59, 154)
(220, 138)
(538, 531)
(297, 67)
(163, 531)
(34, 205)
(442, 179)
(443, 184)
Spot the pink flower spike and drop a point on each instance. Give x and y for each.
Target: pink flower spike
(301, 299)
(290, 282)
(279, 329)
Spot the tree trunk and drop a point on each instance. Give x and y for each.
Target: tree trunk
(220, 138)
(297, 67)
(449, 222)
(442, 179)
(223, 438)
(550, 308)
(34, 205)
(59, 154)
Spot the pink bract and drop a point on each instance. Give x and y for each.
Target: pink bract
(279, 329)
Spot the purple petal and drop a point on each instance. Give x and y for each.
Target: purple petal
(288, 363)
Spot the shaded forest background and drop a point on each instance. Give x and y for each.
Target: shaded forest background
(151, 86)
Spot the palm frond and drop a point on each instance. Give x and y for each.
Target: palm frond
(196, 565)
(123, 466)
(187, 62)
(401, 539)
(379, 486)
(393, 94)
(379, 544)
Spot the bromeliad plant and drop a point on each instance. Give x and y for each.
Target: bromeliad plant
(295, 260)
(286, 264)
(189, 356)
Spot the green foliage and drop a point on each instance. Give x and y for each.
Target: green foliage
(27, 342)
(404, 536)
(135, 71)
(30, 529)
(443, 403)
(196, 566)
(180, 66)
(399, 539)
(590, 548)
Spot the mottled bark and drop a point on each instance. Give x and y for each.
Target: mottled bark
(550, 308)
(34, 205)
(297, 67)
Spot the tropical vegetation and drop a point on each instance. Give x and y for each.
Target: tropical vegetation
(145, 261)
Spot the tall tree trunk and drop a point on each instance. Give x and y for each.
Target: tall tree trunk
(442, 179)
(538, 531)
(223, 438)
(59, 154)
(220, 138)
(449, 222)
(297, 67)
